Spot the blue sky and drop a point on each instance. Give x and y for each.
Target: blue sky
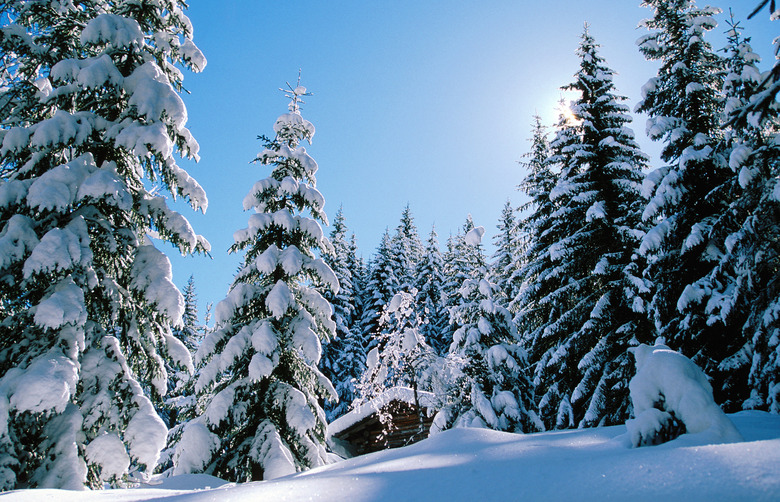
(421, 102)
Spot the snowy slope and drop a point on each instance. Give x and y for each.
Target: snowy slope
(476, 465)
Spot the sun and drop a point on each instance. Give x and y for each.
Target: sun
(565, 111)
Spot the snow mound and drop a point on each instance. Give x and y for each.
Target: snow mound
(479, 464)
(671, 395)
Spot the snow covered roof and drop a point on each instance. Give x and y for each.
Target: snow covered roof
(402, 394)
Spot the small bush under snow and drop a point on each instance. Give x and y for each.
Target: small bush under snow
(671, 395)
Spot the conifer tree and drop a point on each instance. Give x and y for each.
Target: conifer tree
(741, 290)
(191, 332)
(401, 356)
(461, 261)
(406, 251)
(533, 279)
(91, 120)
(506, 258)
(761, 105)
(583, 368)
(343, 357)
(180, 394)
(684, 104)
(264, 419)
(381, 286)
(490, 387)
(430, 296)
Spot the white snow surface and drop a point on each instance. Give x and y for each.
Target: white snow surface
(479, 464)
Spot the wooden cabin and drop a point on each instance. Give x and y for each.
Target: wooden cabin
(390, 420)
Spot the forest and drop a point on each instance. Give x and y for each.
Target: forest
(108, 374)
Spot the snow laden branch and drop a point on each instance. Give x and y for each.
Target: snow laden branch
(259, 386)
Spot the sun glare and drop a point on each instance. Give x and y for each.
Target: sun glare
(565, 111)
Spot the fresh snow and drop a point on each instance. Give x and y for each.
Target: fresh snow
(478, 464)
(474, 236)
(667, 379)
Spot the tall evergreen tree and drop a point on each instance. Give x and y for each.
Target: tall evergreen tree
(430, 296)
(506, 258)
(537, 277)
(401, 356)
(741, 290)
(343, 357)
(461, 261)
(91, 118)
(490, 387)
(381, 286)
(583, 368)
(264, 419)
(406, 251)
(180, 383)
(684, 104)
(761, 105)
(191, 332)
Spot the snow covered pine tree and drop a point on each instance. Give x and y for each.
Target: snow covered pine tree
(90, 118)
(343, 358)
(684, 103)
(490, 387)
(430, 304)
(260, 364)
(741, 291)
(583, 369)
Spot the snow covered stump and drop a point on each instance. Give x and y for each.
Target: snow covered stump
(672, 396)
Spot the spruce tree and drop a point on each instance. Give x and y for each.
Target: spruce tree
(91, 119)
(430, 296)
(506, 258)
(462, 261)
(401, 356)
(406, 251)
(264, 419)
(382, 284)
(343, 357)
(761, 106)
(684, 104)
(741, 290)
(583, 368)
(180, 383)
(191, 332)
(490, 386)
(535, 278)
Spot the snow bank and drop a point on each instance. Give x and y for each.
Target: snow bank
(669, 388)
(478, 464)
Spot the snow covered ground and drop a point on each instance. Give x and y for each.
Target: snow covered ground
(476, 465)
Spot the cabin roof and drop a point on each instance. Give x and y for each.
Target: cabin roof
(365, 410)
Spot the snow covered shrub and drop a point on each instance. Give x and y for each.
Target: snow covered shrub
(401, 358)
(672, 396)
(91, 120)
(259, 387)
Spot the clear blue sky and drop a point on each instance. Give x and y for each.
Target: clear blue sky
(421, 102)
